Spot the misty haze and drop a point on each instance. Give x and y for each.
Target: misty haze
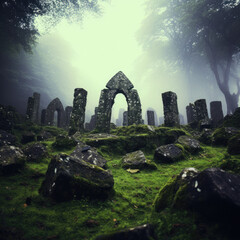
(119, 119)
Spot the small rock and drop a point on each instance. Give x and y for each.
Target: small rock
(168, 153)
(190, 144)
(11, 159)
(135, 160)
(35, 152)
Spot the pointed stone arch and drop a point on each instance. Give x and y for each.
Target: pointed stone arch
(119, 83)
(55, 105)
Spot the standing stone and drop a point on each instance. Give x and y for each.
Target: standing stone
(191, 113)
(201, 110)
(68, 111)
(92, 123)
(118, 84)
(43, 116)
(33, 107)
(216, 112)
(78, 112)
(150, 118)
(171, 116)
(125, 118)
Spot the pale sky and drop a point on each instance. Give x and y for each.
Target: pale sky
(101, 46)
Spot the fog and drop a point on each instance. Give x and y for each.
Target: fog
(86, 55)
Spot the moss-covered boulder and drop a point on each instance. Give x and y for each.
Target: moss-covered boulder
(69, 177)
(168, 153)
(28, 137)
(35, 152)
(7, 138)
(89, 154)
(212, 192)
(11, 159)
(137, 160)
(221, 136)
(206, 136)
(232, 120)
(234, 145)
(167, 194)
(231, 163)
(64, 142)
(190, 144)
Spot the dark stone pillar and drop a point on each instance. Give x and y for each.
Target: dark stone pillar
(125, 118)
(150, 118)
(33, 108)
(216, 112)
(201, 110)
(134, 108)
(78, 112)
(43, 116)
(191, 113)
(68, 111)
(170, 107)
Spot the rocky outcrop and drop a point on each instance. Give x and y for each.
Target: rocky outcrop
(69, 177)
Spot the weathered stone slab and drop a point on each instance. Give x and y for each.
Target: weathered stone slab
(216, 112)
(69, 177)
(151, 118)
(11, 159)
(201, 110)
(33, 108)
(170, 107)
(78, 112)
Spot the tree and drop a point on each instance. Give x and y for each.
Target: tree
(202, 30)
(17, 19)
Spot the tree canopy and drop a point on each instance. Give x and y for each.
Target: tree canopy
(206, 30)
(17, 18)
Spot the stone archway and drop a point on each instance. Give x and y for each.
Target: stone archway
(55, 105)
(119, 83)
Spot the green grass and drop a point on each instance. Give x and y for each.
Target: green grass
(130, 206)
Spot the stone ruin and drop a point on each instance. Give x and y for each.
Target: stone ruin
(48, 114)
(33, 108)
(201, 110)
(68, 111)
(78, 112)
(216, 112)
(119, 83)
(191, 113)
(150, 118)
(170, 107)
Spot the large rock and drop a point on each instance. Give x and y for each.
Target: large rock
(136, 160)
(7, 138)
(206, 136)
(11, 159)
(68, 177)
(190, 144)
(212, 192)
(168, 153)
(144, 232)
(28, 137)
(222, 135)
(35, 152)
(234, 145)
(166, 196)
(89, 154)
